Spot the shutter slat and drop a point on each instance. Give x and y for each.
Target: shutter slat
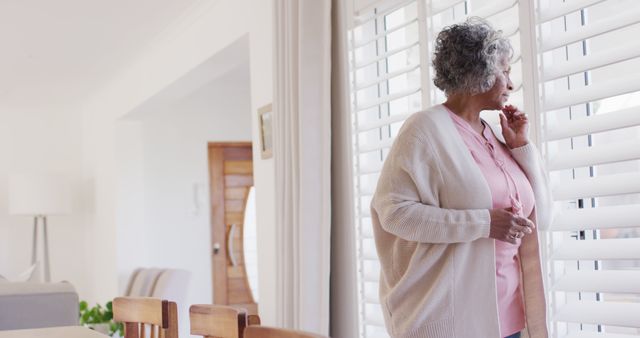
(365, 212)
(602, 249)
(371, 300)
(619, 216)
(516, 79)
(440, 6)
(370, 169)
(511, 29)
(517, 56)
(366, 232)
(369, 256)
(598, 186)
(364, 16)
(368, 252)
(606, 313)
(610, 23)
(367, 190)
(359, 44)
(387, 76)
(609, 281)
(595, 124)
(385, 55)
(490, 9)
(387, 98)
(379, 334)
(371, 277)
(385, 121)
(373, 315)
(586, 334)
(564, 8)
(386, 143)
(373, 322)
(609, 153)
(603, 58)
(579, 54)
(602, 90)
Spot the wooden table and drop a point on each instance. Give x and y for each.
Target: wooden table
(53, 332)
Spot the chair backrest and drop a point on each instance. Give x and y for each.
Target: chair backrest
(217, 321)
(138, 313)
(272, 332)
(252, 319)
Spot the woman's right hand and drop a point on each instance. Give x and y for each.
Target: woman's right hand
(509, 227)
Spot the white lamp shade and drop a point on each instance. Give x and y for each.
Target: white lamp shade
(39, 194)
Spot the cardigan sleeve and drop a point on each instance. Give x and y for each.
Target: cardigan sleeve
(406, 200)
(529, 160)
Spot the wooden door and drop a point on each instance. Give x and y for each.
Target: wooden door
(231, 176)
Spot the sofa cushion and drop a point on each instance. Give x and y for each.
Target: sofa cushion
(143, 282)
(25, 305)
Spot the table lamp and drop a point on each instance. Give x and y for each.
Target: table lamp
(39, 196)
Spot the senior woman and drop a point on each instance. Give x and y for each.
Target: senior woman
(456, 207)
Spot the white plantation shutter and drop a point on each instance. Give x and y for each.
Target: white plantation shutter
(391, 43)
(576, 71)
(386, 85)
(589, 61)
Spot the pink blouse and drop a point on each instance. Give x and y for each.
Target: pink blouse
(510, 188)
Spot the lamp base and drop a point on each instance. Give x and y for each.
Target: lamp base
(34, 251)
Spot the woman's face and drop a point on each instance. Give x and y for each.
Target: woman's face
(498, 95)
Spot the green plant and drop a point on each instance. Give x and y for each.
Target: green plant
(100, 315)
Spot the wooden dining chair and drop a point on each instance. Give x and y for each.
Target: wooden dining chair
(272, 332)
(141, 313)
(218, 321)
(252, 319)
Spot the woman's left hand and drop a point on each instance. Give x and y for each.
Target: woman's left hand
(515, 127)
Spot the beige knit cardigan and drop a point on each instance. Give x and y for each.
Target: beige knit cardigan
(430, 216)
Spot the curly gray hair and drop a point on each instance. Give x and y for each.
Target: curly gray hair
(467, 56)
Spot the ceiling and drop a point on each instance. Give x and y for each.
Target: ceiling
(56, 53)
(227, 67)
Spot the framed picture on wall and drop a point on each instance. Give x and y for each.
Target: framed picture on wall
(265, 121)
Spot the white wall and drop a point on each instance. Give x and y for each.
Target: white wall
(93, 141)
(176, 165)
(261, 63)
(214, 28)
(41, 138)
(170, 225)
(133, 232)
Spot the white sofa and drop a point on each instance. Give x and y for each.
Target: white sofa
(169, 284)
(25, 305)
